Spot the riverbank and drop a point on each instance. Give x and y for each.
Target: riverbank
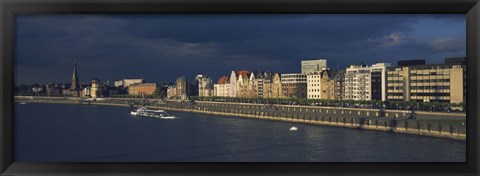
(368, 119)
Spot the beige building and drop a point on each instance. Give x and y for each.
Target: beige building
(314, 85)
(172, 91)
(86, 92)
(222, 87)
(427, 83)
(327, 87)
(321, 85)
(252, 87)
(182, 87)
(239, 81)
(142, 88)
(276, 87)
(128, 82)
(95, 88)
(205, 86)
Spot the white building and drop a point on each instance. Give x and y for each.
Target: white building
(128, 82)
(358, 82)
(314, 85)
(311, 66)
(233, 84)
(86, 91)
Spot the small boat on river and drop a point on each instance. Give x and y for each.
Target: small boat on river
(151, 113)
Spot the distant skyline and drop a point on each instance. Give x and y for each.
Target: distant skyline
(159, 48)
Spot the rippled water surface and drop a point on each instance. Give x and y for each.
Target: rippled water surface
(94, 133)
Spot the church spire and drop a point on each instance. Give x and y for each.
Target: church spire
(74, 85)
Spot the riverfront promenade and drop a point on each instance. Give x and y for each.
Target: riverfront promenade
(433, 124)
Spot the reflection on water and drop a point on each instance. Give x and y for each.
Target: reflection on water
(91, 133)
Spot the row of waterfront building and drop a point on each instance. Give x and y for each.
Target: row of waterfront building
(411, 80)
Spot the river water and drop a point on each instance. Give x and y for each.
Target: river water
(96, 133)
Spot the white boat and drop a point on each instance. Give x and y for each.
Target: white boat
(23, 103)
(151, 113)
(293, 129)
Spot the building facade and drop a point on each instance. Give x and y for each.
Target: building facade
(222, 87)
(182, 87)
(264, 84)
(339, 81)
(95, 89)
(327, 87)
(142, 89)
(314, 85)
(357, 83)
(276, 87)
(171, 91)
(205, 86)
(294, 85)
(427, 83)
(311, 66)
(53, 89)
(128, 82)
(378, 81)
(233, 84)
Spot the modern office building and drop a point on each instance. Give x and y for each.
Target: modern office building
(294, 85)
(378, 81)
(427, 83)
(311, 66)
(366, 83)
(410, 62)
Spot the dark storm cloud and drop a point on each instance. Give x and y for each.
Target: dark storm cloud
(162, 47)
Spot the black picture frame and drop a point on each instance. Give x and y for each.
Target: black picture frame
(10, 8)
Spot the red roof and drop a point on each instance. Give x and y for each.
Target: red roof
(223, 80)
(244, 73)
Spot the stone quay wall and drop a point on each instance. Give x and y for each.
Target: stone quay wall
(366, 119)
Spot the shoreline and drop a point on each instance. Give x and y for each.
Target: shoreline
(373, 124)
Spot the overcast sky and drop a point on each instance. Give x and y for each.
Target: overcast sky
(160, 48)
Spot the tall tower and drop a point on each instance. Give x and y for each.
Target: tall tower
(95, 86)
(75, 85)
